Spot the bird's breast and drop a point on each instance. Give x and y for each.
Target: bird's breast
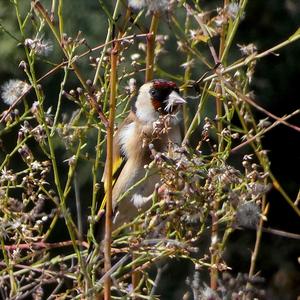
(134, 140)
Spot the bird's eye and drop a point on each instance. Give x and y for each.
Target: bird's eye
(152, 92)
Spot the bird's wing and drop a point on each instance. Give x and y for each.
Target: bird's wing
(119, 159)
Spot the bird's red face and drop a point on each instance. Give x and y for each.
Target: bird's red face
(157, 97)
(160, 93)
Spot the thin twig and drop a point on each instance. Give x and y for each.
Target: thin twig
(282, 233)
(264, 131)
(43, 245)
(252, 58)
(62, 64)
(78, 206)
(203, 28)
(258, 107)
(13, 105)
(257, 245)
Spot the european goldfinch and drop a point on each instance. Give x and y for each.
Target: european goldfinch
(155, 100)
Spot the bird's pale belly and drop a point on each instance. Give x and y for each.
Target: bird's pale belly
(137, 201)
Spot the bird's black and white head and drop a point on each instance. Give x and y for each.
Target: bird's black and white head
(155, 98)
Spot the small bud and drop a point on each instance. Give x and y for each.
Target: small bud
(23, 65)
(89, 82)
(92, 59)
(73, 93)
(79, 91)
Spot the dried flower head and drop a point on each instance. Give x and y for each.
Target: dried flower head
(232, 10)
(189, 64)
(131, 87)
(209, 294)
(7, 175)
(71, 160)
(151, 5)
(135, 56)
(247, 49)
(13, 89)
(247, 215)
(137, 4)
(236, 287)
(162, 125)
(39, 46)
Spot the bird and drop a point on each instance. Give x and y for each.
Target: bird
(155, 100)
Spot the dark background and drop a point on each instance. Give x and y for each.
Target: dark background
(276, 86)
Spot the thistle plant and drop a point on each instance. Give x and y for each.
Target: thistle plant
(54, 143)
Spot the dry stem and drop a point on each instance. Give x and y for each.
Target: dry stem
(110, 133)
(151, 47)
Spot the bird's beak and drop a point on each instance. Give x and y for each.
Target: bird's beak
(173, 101)
(176, 99)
